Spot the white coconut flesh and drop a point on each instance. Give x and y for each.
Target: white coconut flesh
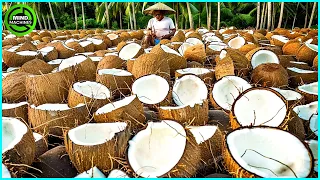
(14, 48)
(212, 39)
(6, 74)
(280, 38)
(313, 145)
(95, 133)
(314, 124)
(12, 132)
(12, 69)
(56, 61)
(151, 89)
(91, 173)
(216, 47)
(129, 51)
(226, 90)
(111, 54)
(114, 72)
(301, 71)
(263, 57)
(112, 36)
(155, 150)
(72, 61)
(184, 47)
(202, 133)
(115, 105)
(169, 50)
(67, 47)
(188, 33)
(85, 43)
(112, 48)
(44, 51)
(10, 36)
(116, 173)
(202, 31)
(189, 90)
(222, 31)
(95, 41)
(311, 88)
(237, 42)
(269, 152)
(295, 62)
(92, 89)
(195, 71)
(194, 41)
(96, 58)
(223, 54)
(313, 47)
(54, 107)
(305, 112)
(5, 172)
(260, 107)
(27, 53)
(85, 53)
(13, 105)
(290, 95)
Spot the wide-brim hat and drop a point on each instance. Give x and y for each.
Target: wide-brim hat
(159, 7)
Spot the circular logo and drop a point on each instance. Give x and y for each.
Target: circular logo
(20, 19)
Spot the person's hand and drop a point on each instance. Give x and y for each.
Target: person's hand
(165, 36)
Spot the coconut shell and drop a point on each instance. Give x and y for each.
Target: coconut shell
(64, 52)
(111, 61)
(291, 47)
(315, 63)
(41, 45)
(129, 64)
(195, 53)
(297, 79)
(240, 62)
(100, 53)
(12, 59)
(52, 55)
(309, 98)
(45, 34)
(76, 46)
(219, 118)
(285, 60)
(86, 70)
(20, 112)
(295, 125)
(36, 66)
(14, 87)
(28, 46)
(195, 35)
(41, 146)
(46, 39)
(101, 46)
(247, 47)
(178, 37)
(305, 54)
(48, 88)
(224, 67)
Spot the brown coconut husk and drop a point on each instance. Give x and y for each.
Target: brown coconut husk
(101, 46)
(247, 47)
(305, 54)
(64, 52)
(194, 64)
(285, 60)
(120, 45)
(295, 125)
(197, 115)
(195, 53)
(165, 41)
(195, 35)
(14, 87)
(297, 79)
(10, 41)
(276, 49)
(27, 46)
(262, 31)
(240, 62)
(86, 70)
(104, 156)
(45, 34)
(41, 45)
(224, 67)
(129, 64)
(291, 47)
(221, 119)
(41, 146)
(250, 38)
(12, 59)
(300, 66)
(89, 48)
(48, 88)
(111, 61)
(46, 39)
(100, 53)
(179, 37)
(20, 112)
(50, 55)
(270, 75)
(315, 63)
(76, 46)
(36, 66)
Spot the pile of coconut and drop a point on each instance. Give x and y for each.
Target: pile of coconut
(207, 103)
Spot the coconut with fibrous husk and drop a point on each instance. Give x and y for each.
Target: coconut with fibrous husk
(307, 53)
(178, 37)
(164, 41)
(18, 146)
(48, 88)
(41, 144)
(249, 157)
(194, 41)
(9, 41)
(291, 47)
(276, 49)
(36, 66)
(128, 109)
(193, 114)
(99, 44)
(27, 46)
(313, 145)
(285, 60)
(16, 110)
(120, 45)
(49, 53)
(207, 75)
(115, 39)
(16, 59)
(131, 50)
(146, 159)
(107, 143)
(226, 90)
(224, 67)
(46, 39)
(315, 63)
(118, 81)
(292, 97)
(194, 35)
(194, 64)
(111, 61)
(247, 47)
(300, 65)
(309, 91)
(300, 76)
(261, 56)
(88, 46)
(45, 34)
(279, 40)
(64, 51)
(76, 46)
(55, 63)
(240, 62)
(14, 87)
(195, 53)
(100, 53)
(91, 173)
(215, 48)
(270, 75)
(41, 45)
(236, 42)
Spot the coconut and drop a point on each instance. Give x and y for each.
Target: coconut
(64, 51)
(151, 89)
(183, 162)
(183, 47)
(194, 35)
(18, 146)
(300, 65)
(178, 36)
(88, 46)
(193, 64)
(307, 53)
(194, 41)
(206, 75)
(16, 59)
(111, 61)
(16, 110)
(291, 47)
(279, 40)
(305, 112)
(120, 45)
(36, 66)
(9, 41)
(249, 157)
(247, 47)
(292, 97)
(195, 53)
(52, 119)
(313, 145)
(98, 44)
(48, 88)
(226, 90)
(196, 114)
(131, 50)
(184, 95)
(107, 142)
(14, 87)
(76, 46)
(45, 34)
(41, 144)
(46, 39)
(315, 63)
(49, 53)
(240, 62)
(309, 91)
(224, 67)
(300, 76)
(55, 63)
(27, 46)
(261, 56)
(236, 42)
(285, 60)
(116, 173)
(115, 39)
(91, 173)
(215, 49)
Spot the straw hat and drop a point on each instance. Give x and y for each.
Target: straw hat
(159, 7)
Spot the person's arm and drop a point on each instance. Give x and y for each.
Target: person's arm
(149, 28)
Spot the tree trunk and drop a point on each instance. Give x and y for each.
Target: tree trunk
(190, 16)
(75, 14)
(312, 14)
(175, 17)
(199, 18)
(120, 13)
(52, 15)
(49, 22)
(107, 15)
(208, 9)
(273, 22)
(130, 19)
(218, 18)
(306, 17)
(265, 16)
(83, 17)
(262, 15)
(44, 22)
(269, 16)
(177, 14)
(281, 15)
(294, 19)
(40, 25)
(258, 15)
(134, 16)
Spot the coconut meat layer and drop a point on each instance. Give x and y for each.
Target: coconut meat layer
(115, 72)
(151, 89)
(302, 71)
(184, 46)
(313, 145)
(262, 57)
(280, 38)
(296, 62)
(92, 89)
(95, 41)
(129, 51)
(290, 95)
(313, 47)
(189, 90)
(155, 150)
(212, 39)
(260, 107)
(237, 42)
(56, 61)
(169, 50)
(72, 61)
(13, 105)
(115, 105)
(311, 88)
(5, 172)
(202, 133)
(96, 58)
(95, 133)
(44, 51)
(54, 107)
(116, 173)
(91, 173)
(305, 112)
(112, 36)
(195, 71)
(268, 152)
(12, 132)
(194, 41)
(314, 124)
(216, 47)
(27, 53)
(226, 90)
(85, 43)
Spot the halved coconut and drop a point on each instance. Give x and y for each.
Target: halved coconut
(27, 46)
(150, 152)
(111, 61)
(305, 112)
(75, 45)
(207, 75)
(307, 53)
(115, 39)
(211, 38)
(291, 47)
(224, 67)
(194, 41)
(36, 66)
(215, 48)
(291, 96)
(237, 42)
(17, 110)
(195, 53)
(313, 145)
(315, 63)
(189, 90)
(261, 56)
(16, 59)
(264, 152)
(91, 173)
(240, 62)
(300, 65)
(14, 87)
(97, 144)
(247, 47)
(314, 124)
(183, 47)
(64, 51)
(151, 89)
(49, 53)
(279, 40)
(309, 91)
(116, 173)
(98, 44)
(55, 63)
(18, 146)
(301, 76)
(258, 106)
(88, 46)
(226, 90)
(5, 172)
(41, 144)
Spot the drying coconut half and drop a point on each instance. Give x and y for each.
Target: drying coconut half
(237, 42)
(261, 56)
(195, 53)
(5, 172)
(18, 145)
(97, 144)
(116, 173)
(49, 53)
(207, 75)
(291, 96)
(307, 53)
(305, 112)
(17, 110)
(131, 50)
(226, 90)
(309, 91)
(266, 152)
(313, 145)
(183, 47)
(279, 40)
(215, 48)
(41, 144)
(189, 90)
(258, 106)
(301, 76)
(194, 41)
(162, 150)
(64, 51)
(314, 124)
(151, 89)
(16, 59)
(91, 173)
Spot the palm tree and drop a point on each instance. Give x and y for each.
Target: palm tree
(208, 10)
(44, 22)
(294, 19)
(52, 15)
(49, 22)
(262, 15)
(218, 19)
(258, 15)
(281, 14)
(83, 18)
(107, 15)
(190, 16)
(75, 14)
(306, 17)
(134, 16)
(269, 15)
(312, 14)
